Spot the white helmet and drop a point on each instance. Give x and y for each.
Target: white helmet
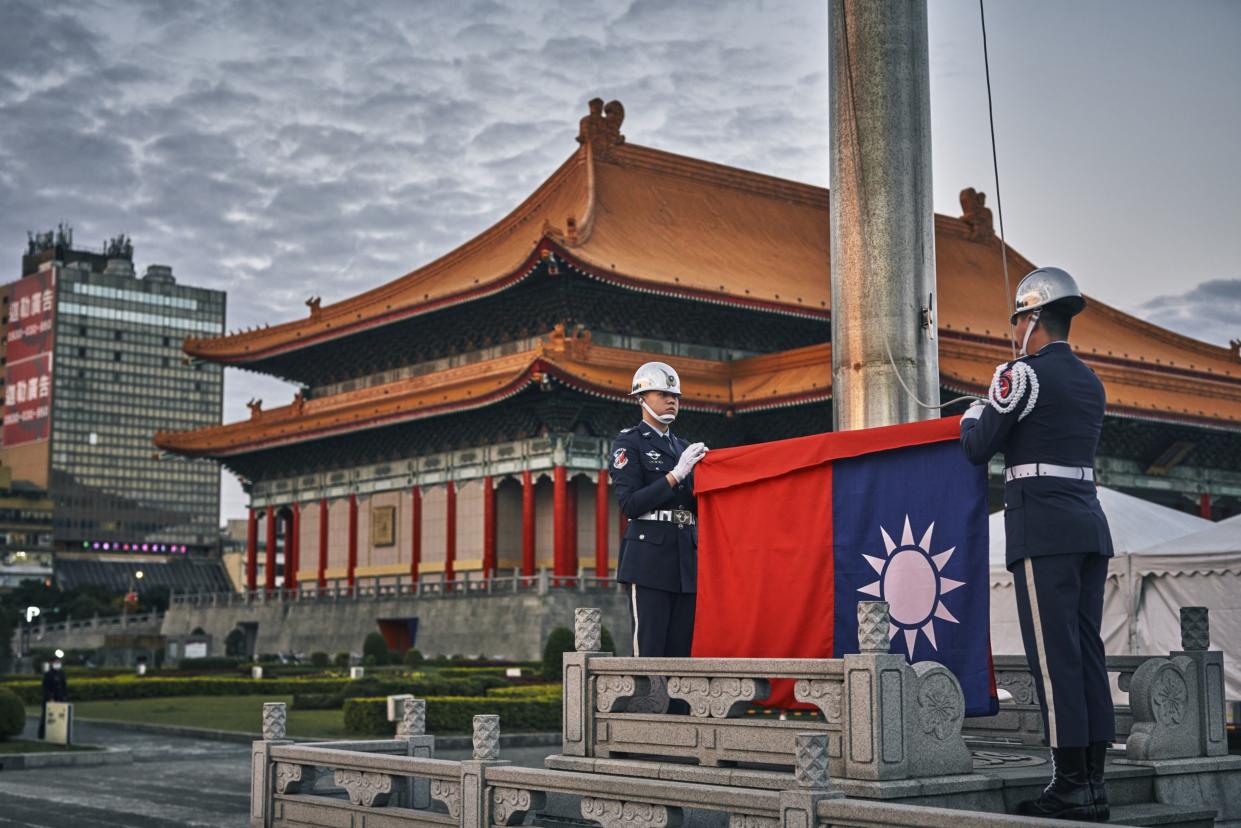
(656, 376)
(1048, 286)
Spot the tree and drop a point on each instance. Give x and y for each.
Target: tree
(559, 642)
(374, 649)
(235, 642)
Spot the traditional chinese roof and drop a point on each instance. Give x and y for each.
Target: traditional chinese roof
(656, 222)
(742, 386)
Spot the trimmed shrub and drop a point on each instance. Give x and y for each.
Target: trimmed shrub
(342, 660)
(209, 663)
(12, 715)
(455, 714)
(605, 638)
(374, 648)
(316, 701)
(559, 642)
(413, 657)
(319, 659)
(235, 642)
(526, 691)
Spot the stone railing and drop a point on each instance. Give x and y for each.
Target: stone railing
(882, 718)
(109, 623)
(387, 587)
(387, 783)
(1176, 703)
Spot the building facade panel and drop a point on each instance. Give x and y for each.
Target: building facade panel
(434, 528)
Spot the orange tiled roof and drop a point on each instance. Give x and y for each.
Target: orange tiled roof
(754, 384)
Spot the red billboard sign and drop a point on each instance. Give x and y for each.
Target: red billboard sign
(28, 370)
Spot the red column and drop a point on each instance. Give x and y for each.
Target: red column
(489, 528)
(252, 551)
(601, 526)
(292, 548)
(415, 533)
(570, 528)
(353, 541)
(1204, 505)
(450, 533)
(527, 524)
(269, 575)
(323, 542)
(560, 497)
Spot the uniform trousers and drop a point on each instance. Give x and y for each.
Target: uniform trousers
(663, 622)
(1060, 608)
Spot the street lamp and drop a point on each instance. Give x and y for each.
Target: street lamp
(31, 614)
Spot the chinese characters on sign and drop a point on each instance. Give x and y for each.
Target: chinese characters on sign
(28, 371)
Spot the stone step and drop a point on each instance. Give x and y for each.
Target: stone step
(1154, 813)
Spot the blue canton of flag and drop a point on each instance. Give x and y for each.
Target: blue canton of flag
(910, 528)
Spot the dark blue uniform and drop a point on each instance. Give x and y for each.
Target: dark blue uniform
(1046, 415)
(658, 558)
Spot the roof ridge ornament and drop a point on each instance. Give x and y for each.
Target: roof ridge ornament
(600, 129)
(976, 214)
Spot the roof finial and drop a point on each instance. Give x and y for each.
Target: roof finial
(976, 214)
(601, 128)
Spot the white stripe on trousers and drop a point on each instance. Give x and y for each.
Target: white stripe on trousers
(633, 601)
(1036, 622)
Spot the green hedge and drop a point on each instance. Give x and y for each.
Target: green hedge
(455, 714)
(526, 691)
(149, 687)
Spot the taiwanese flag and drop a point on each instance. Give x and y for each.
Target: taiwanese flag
(793, 534)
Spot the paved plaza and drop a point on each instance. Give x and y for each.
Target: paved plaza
(173, 780)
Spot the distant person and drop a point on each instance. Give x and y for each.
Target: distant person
(55, 689)
(652, 473)
(1044, 411)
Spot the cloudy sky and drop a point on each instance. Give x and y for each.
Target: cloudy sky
(285, 148)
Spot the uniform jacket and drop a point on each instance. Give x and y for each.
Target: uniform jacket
(1047, 515)
(655, 554)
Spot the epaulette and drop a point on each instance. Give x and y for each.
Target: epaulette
(627, 430)
(1009, 385)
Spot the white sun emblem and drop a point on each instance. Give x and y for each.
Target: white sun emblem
(911, 583)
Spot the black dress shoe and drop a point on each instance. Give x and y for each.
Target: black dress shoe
(1096, 756)
(1068, 795)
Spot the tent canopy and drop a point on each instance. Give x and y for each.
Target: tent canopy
(1135, 524)
(1216, 548)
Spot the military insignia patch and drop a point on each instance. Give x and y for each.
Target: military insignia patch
(619, 459)
(1006, 385)
(654, 455)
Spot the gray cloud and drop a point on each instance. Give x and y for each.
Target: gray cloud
(1210, 311)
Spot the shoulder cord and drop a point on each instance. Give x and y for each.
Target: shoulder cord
(1022, 377)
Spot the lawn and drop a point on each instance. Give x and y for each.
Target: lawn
(240, 713)
(32, 746)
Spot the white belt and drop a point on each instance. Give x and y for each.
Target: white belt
(679, 516)
(1048, 470)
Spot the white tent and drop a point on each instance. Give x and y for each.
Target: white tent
(1135, 524)
(1200, 570)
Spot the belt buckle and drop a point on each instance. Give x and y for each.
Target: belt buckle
(681, 517)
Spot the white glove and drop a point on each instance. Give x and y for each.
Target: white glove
(689, 458)
(974, 411)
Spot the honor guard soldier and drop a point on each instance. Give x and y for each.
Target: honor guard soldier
(1044, 411)
(652, 472)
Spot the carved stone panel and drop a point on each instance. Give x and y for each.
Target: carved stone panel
(413, 718)
(1195, 629)
(717, 698)
(1019, 683)
(449, 793)
(811, 758)
(873, 625)
(364, 787)
(289, 777)
(751, 821)
(825, 694)
(612, 693)
(486, 737)
(941, 708)
(613, 813)
(509, 806)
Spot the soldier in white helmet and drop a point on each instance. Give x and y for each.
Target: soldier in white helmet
(1045, 413)
(652, 473)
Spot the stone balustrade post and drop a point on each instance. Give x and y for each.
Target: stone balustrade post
(900, 721)
(544, 582)
(475, 794)
(1178, 702)
(262, 769)
(410, 715)
(579, 708)
(799, 806)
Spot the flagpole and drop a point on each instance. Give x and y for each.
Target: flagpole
(884, 352)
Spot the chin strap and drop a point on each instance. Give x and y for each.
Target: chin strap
(1025, 340)
(666, 419)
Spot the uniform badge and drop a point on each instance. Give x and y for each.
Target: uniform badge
(654, 455)
(1006, 385)
(619, 459)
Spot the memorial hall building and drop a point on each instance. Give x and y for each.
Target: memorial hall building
(455, 422)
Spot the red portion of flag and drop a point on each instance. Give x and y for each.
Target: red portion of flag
(765, 543)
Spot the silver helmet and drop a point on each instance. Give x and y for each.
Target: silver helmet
(1048, 286)
(656, 376)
